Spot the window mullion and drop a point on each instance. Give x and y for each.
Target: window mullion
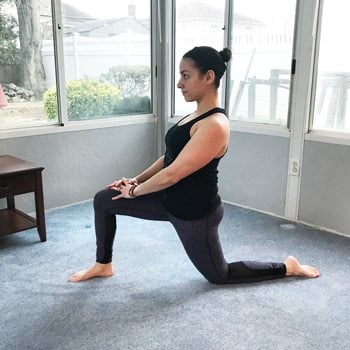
(317, 37)
(228, 27)
(299, 111)
(59, 62)
(163, 64)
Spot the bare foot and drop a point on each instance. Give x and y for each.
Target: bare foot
(98, 270)
(294, 268)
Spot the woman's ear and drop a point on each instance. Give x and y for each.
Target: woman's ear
(209, 76)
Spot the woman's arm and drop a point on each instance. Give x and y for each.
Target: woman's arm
(207, 142)
(151, 171)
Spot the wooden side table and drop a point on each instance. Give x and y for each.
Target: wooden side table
(18, 177)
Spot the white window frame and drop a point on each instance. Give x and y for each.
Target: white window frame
(318, 135)
(246, 126)
(300, 99)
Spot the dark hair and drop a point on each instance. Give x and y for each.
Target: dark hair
(207, 58)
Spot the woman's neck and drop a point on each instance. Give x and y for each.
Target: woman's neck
(207, 103)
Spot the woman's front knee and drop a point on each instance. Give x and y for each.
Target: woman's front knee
(102, 196)
(214, 279)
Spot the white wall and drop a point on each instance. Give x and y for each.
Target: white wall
(254, 171)
(325, 186)
(78, 164)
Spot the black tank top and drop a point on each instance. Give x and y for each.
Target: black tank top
(195, 196)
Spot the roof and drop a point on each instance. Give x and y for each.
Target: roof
(120, 25)
(68, 11)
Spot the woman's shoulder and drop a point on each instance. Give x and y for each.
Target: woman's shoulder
(218, 119)
(217, 123)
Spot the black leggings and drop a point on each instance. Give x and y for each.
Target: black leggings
(200, 238)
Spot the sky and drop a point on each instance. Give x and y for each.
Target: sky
(267, 10)
(103, 9)
(258, 9)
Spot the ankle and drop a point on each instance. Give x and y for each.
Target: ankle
(291, 265)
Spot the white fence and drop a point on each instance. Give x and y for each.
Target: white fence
(86, 57)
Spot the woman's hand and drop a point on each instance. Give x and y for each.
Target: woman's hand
(124, 190)
(116, 185)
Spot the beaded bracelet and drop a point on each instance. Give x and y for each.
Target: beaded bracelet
(131, 191)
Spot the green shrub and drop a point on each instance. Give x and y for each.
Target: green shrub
(129, 105)
(86, 99)
(132, 80)
(50, 103)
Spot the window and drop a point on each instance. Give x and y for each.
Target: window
(24, 78)
(107, 55)
(331, 110)
(262, 44)
(197, 23)
(107, 60)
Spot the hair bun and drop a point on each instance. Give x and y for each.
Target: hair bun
(225, 54)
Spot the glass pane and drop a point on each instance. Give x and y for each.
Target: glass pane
(262, 45)
(333, 78)
(27, 69)
(107, 54)
(197, 23)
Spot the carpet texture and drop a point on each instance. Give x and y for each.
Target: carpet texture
(158, 300)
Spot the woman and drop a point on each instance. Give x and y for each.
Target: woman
(181, 186)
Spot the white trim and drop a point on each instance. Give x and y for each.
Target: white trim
(154, 49)
(59, 64)
(228, 25)
(163, 63)
(321, 228)
(300, 101)
(316, 33)
(78, 126)
(258, 128)
(337, 138)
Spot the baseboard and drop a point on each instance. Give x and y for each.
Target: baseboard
(328, 230)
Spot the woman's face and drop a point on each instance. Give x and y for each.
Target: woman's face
(192, 83)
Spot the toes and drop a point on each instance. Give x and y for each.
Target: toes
(316, 273)
(311, 271)
(77, 276)
(77, 279)
(74, 278)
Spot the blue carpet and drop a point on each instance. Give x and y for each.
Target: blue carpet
(157, 300)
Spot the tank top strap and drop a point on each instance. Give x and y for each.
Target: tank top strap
(208, 113)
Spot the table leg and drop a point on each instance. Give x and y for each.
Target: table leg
(39, 207)
(10, 202)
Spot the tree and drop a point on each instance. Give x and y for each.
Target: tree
(8, 37)
(32, 71)
(132, 80)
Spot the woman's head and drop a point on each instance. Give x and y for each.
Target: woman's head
(206, 58)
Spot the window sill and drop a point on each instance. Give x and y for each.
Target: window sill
(77, 126)
(334, 137)
(258, 128)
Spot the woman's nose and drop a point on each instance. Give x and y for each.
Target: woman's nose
(179, 84)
